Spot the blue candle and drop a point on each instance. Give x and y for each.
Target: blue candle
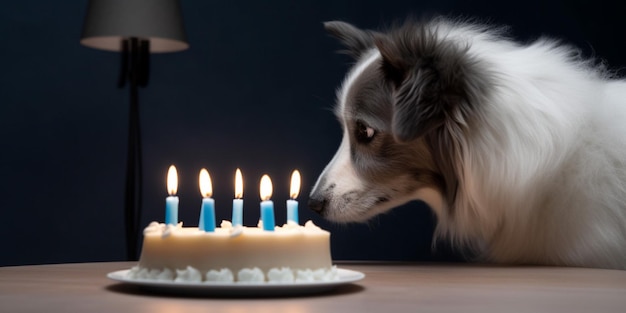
(292, 211)
(201, 219)
(207, 211)
(171, 210)
(267, 206)
(171, 202)
(207, 214)
(237, 212)
(292, 204)
(267, 215)
(237, 219)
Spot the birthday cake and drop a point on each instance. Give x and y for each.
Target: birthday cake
(290, 253)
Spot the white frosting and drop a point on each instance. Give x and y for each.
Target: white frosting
(169, 229)
(310, 226)
(154, 227)
(223, 276)
(134, 272)
(164, 229)
(232, 231)
(154, 274)
(304, 276)
(282, 275)
(189, 274)
(251, 275)
(246, 275)
(166, 274)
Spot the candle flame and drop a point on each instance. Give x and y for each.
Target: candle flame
(238, 184)
(266, 188)
(295, 184)
(172, 180)
(206, 188)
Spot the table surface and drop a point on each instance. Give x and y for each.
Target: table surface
(391, 287)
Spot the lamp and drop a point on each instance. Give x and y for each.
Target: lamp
(135, 28)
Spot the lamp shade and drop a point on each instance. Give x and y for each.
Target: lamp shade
(108, 22)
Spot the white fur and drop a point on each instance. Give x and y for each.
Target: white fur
(555, 190)
(340, 163)
(542, 174)
(366, 61)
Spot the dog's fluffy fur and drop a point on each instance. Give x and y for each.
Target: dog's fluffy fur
(520, 150)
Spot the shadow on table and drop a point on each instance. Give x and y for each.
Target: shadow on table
(151, 291)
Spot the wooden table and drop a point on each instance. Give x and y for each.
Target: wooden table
(387, 288)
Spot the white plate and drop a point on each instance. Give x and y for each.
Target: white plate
(240, 289)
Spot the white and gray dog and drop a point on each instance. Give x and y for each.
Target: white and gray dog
(520, 150)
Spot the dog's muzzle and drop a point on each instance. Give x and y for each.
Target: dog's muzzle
(318, 204)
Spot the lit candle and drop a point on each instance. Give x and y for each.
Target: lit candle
(267, 206)
(171, 202)
(207, 211)
(237, 219)
(292, 204)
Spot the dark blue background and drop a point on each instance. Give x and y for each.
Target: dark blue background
(255, 91)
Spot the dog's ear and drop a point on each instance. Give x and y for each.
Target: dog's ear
(355, 40)
(429, 78)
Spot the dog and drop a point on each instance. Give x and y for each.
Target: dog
(519, 149)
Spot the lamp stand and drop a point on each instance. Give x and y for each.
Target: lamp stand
(135, 63)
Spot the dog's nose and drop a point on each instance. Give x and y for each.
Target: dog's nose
(317, 204)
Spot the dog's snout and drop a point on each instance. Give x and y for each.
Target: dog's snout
(318, 204)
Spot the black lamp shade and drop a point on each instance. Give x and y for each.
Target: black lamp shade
(108, 22)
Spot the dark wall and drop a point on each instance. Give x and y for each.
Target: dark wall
(255, 91)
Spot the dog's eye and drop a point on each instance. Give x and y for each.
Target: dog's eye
(364, 133)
